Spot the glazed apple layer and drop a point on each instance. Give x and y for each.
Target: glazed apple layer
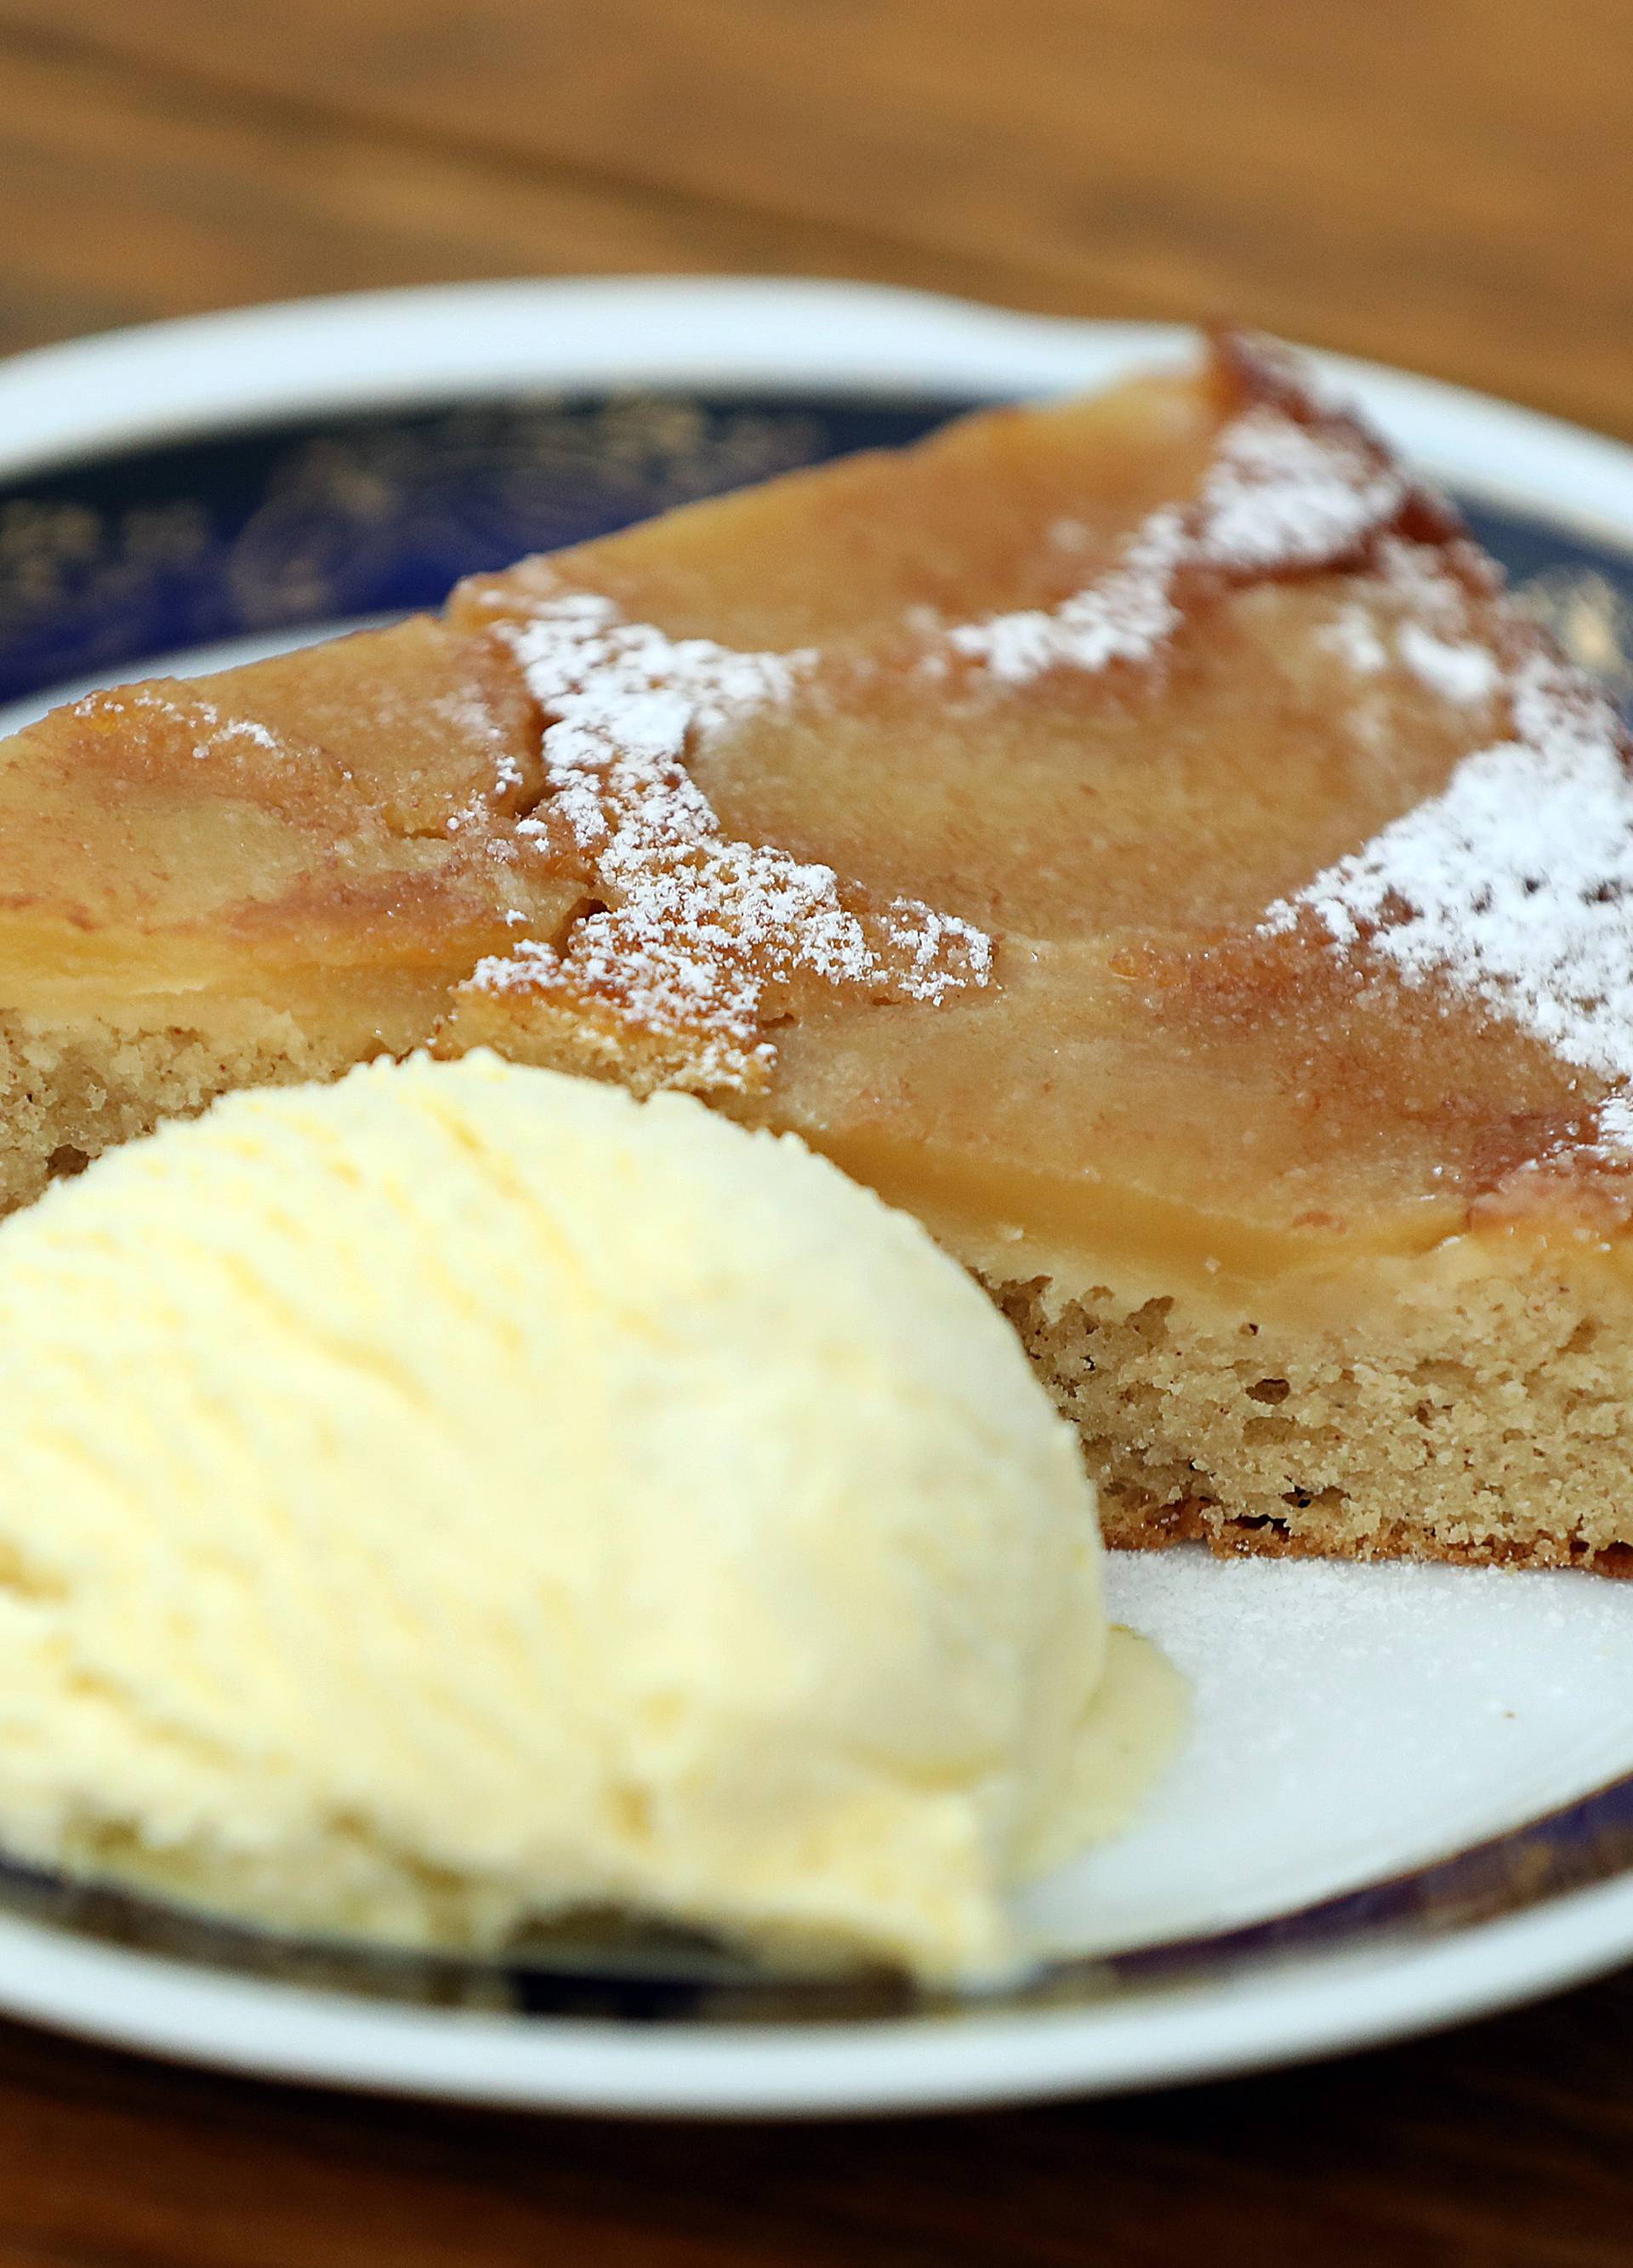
(1003, 815)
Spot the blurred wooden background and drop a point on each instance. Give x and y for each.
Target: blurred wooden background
(1441, 183)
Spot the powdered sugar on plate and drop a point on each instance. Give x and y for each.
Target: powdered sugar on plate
(1349, 1724)
(695, 927)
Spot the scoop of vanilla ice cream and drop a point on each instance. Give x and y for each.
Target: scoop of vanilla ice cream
(437, 1501)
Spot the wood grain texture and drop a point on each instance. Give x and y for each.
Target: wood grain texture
(1442, 183)
(126, 198)
(1503, 2147)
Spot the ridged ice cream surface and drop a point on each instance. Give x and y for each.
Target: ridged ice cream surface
(462, 1495)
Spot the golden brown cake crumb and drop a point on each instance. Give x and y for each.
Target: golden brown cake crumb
(1136, 835)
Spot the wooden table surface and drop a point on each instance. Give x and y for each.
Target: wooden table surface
(1440, 183)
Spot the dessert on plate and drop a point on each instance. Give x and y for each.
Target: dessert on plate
(1136, 835)
(476, 1496)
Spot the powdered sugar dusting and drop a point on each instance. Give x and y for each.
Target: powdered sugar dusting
(1124, 616)
(1353, 636)
(212, 730)
(1515, 884)
(695, 927)
(1456, 669)
(1614, 1129)
(1279, 496)
(1285, 495)
(1425, 622)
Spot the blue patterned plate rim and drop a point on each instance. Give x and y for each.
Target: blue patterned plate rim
(358, 476)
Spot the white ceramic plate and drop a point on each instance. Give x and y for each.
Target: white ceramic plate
(1402, 1802)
